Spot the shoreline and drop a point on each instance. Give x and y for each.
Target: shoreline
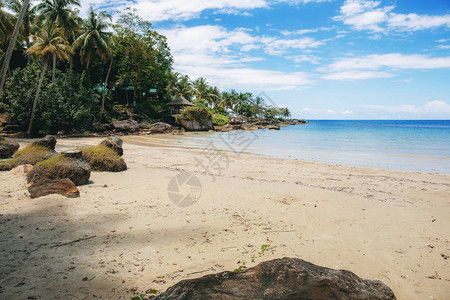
(380, 224)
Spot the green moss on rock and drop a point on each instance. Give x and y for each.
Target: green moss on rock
(31, 154)
(102, 158)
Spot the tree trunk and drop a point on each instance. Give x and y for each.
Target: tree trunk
(11, 44)
(104, 89)
(38, 90)
(54, 68)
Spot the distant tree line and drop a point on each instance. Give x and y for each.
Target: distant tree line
(59, 71)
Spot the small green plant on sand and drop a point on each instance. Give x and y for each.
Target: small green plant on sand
(240, 267)
(264, 247)
(147, 295)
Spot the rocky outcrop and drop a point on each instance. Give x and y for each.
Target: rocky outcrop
(114, 143)
(273, 127)
(161, 127)
(7, 148)
(286, 278)
(126, 125)
(249, 127)
(68, 164)
(46, 187)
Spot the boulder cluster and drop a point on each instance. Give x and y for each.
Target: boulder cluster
(50, 172)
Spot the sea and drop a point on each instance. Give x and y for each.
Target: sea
(411, 145)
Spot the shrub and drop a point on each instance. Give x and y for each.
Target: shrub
(220, 120)
(196, 114)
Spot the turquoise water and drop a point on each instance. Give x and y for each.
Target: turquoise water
(412, 145)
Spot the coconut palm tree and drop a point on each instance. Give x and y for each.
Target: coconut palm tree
(12, 44)
(28, 22)
(60, 13)
(201, 89)
(258, 106)
(50, 42)
(94, 39)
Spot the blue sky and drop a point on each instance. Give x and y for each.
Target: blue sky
(336, 59)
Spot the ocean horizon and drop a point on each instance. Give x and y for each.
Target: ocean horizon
(422, 145)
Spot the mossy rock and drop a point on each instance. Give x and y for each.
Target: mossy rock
(31, 154)
(60, 167)
(102, 158)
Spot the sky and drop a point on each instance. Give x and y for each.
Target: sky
(324, 59)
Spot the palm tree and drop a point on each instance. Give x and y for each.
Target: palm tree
(28, 23)
(48, 43)
(285, 112)
(94, 39)
(12, 44)
(60, 13)
(258, 106)
(201, 89)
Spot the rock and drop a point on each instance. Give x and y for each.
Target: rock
(161, 127)
(126, 125)
(273, 127)
(114, 143)
(49, 142)
(238, 120)
(104, 159)
(286, 278)
(283, 125)
(249, 127)
(7, 148)
(31, 154)
(69, 164)
(194, 125)
(21, 170)
(63, 187)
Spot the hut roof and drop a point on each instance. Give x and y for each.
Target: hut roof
(180, 101)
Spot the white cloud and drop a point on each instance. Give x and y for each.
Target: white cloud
(430, 109)
(369, 15)
(209, 51)
(381, 66)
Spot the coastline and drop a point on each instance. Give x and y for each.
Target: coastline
(375, 222)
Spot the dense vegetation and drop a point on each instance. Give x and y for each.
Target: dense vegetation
(67, 73)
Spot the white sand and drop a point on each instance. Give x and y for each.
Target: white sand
(378, 223)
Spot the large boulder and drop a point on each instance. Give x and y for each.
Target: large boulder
(126, 125)
(31, 154)
(102, 158)
(160, 127)
(68, 164)
(7, 148)
(273, 127)
(238, 120)
(114, 143)
(286, 278)
(46, 187)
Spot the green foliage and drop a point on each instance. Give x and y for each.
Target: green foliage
(198, 114)
(220, 120)
(240, 267)
(63, 105)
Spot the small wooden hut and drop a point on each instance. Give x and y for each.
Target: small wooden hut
(177, 105)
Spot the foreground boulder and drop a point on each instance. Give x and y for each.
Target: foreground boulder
(105, 159)
(7, 148)
(126, 125)
(286, 278)
(68, 164)
(161, 127)
(32, 154)
(46, 187)
(114, 143)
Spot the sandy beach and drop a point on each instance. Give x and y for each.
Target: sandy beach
(124, 235)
